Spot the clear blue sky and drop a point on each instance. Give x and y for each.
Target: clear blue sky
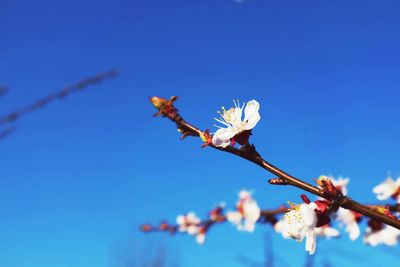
(78, 177)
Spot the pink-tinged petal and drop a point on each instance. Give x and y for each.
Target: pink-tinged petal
(180, 219)
(251, 211)
(201, 238)
(311, 241)
(222, 137)
(251, 114)
(234, 217)
(279, 227)
(244, 194)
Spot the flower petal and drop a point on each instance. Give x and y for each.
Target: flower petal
(251, 115)
(311, 241)
(200, 238)
(222, 137)
(234, 217)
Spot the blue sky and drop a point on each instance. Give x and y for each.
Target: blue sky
(78, 177)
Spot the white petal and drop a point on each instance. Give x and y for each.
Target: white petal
(308, 215)
(200, 238)
(248, 226)
(222, 137)
(234, 217)
(279, 227)
(180, 219)
(331, 232)
(385, 189)
(353, 230)
(243, 194)
(311, 241)
(251, 211)
(251, 115)
(192, 230)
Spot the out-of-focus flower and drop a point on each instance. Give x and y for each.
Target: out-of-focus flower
(327, 231)
(389, 188)
(300, 223)
(235, 129)
(350, 219)
(377, 234)
(201, 235)
(191, 224)
(302, 220)
(188, 223)
(247, 212)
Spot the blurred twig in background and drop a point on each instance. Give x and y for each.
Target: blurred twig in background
(3, 90)
(42, 102)
(6, 132)
(59, 95)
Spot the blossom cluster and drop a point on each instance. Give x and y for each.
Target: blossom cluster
(307, 221)
(310, 220)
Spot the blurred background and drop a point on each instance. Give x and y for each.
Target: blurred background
(81, 173)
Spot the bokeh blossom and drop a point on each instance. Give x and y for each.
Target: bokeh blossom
(247, 212)
(388, 189)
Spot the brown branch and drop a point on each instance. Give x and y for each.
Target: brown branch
(248, 152)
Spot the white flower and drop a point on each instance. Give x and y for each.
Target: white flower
(349, 219)
(300, 223)
(233, 125)
(340, 183)
(389, 188)
(201, 237)
(188, 223)
(327, 231)
(247, 212)
(387, 235)
(191, 224)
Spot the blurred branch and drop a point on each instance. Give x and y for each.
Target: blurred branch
(3, 90)
(6, 132)
(59, 95)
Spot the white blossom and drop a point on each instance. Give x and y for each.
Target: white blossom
(389, 188)
(191, 224)
(349, 219)
(327, 231)
(188, 223)
(247, 212)
(388, 235)
(233, 124)
(300, 223)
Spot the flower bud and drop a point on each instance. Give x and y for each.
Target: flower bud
(158, 102)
